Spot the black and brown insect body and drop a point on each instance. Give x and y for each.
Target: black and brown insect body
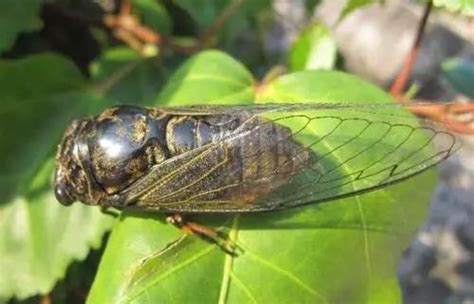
(173, 161)
(240, 158)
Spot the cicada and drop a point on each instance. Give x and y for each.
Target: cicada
(237, 159)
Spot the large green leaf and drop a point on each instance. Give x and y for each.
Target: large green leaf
(17, 16)
(38, 237)
(34, 113)
(211, 76)
(322, 86)
(338, 252)
(465, 7)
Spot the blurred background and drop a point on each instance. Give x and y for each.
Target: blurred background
(126, 50)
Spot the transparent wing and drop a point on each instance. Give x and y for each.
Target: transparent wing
(354, 149)
(357, 151)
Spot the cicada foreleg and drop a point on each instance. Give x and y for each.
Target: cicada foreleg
(208, 234)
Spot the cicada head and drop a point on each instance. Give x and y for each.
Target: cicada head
(72, 179)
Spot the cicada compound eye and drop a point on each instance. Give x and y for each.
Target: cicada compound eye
(61, 190)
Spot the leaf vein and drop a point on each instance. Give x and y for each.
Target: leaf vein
(287, 274)
(243, 286)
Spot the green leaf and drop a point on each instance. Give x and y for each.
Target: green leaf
(38, 237)
(465, 7)
(460, 73)
(34, 90)
(210, 76)
(314, 49)
(17, 16)
(126, 77)
(322, 86)
(345, 250)
(154, 15)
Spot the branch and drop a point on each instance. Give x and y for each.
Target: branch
(130, 30)
(404, 74)
(449, 114)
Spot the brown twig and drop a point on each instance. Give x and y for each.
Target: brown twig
(125, 8)
(129, 29)
(45, 299)
(447, 114)
(404, 74)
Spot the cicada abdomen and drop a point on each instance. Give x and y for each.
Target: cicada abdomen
(161, 160)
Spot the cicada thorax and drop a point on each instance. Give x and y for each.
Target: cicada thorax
(124, 143)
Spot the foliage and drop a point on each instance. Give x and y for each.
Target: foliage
(314, 49)
(465, 7)
(460, 73)
(58, 62)
(16, 17)
(153, 14)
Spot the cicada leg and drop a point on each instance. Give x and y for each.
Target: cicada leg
(208, 234)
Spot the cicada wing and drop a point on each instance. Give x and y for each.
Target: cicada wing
(357, 149)
(175, 180)
(289, 155)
